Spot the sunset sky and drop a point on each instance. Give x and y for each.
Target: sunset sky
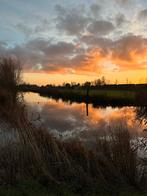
(75, 41)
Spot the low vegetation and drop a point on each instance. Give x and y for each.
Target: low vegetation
(115, 95)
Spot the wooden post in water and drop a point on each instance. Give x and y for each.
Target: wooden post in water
(87, 100)
(87, 111)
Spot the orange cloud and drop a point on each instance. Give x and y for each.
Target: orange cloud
(135, 61)
(91, 63)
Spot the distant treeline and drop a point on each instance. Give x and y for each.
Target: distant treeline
(114, 95)
(125, 87)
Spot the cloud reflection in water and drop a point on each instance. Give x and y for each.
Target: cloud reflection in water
(70, 120)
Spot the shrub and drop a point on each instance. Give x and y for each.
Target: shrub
(10, 77)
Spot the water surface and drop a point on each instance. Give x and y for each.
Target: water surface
(67, 119)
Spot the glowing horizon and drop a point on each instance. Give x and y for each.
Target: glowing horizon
(137, 77)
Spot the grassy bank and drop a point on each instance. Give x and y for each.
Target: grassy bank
(115, 95)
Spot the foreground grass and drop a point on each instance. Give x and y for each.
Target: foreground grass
(67, 167)
(33, 188)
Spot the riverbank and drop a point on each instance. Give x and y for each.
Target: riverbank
(114, 95)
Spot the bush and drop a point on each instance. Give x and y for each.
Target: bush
(10, 77)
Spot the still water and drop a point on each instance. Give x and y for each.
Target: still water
(65, 119)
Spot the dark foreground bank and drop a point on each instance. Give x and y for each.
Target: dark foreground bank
(32, 188)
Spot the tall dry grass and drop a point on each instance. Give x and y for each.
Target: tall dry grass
(10, 78)
(36, 154)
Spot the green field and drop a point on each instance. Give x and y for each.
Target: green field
(114, 94)
(97, 94)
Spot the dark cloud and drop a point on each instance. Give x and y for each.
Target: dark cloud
(142, 14)
(40, 54)
(44, 25)
(97, 42)
(128, 52)
(24, 28)
(93, 40)
(60, 10)
(38, 44)
(120, 19)
(41, 25)
(122, 2)
(79, 59)
(85, 55)
(72, 22)
(95, 10)
(61, 48)
(101, 27)
(123, 47)
(3, 48)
